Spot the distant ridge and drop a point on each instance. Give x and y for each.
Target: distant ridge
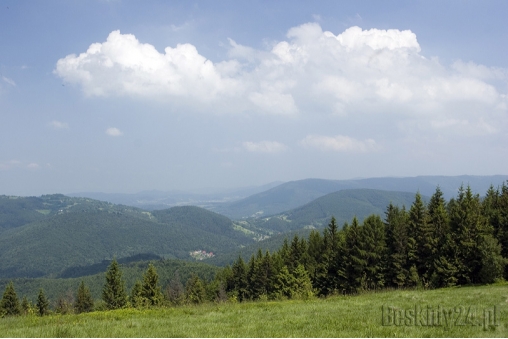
(297, 193)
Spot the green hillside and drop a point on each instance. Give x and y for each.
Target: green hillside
(343, 205)
(293, 194)
(79, 231)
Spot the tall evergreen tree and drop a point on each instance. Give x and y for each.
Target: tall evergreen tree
(495, 207)
(397, 242)
(10, 302)
(314, 253)
(354, 259)
(469, 225)
(136, 297)
(259, 275)
(84, 300)
(375, 252)
(151, 291)
(420, 252)
(442, 269)
(240, 280)
(42, 303)
(113, 293)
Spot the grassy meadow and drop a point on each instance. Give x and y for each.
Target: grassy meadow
(340, 316)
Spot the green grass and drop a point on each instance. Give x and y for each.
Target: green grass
(342, 316)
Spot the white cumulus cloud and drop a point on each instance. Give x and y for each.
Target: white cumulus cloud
(338, 143)
(264, 147)
(114, 132)
(351, 74)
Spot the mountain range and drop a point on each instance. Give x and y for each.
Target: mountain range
(59, 236)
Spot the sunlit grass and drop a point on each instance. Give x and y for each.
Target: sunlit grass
(341, 316)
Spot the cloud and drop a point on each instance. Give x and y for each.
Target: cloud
(16, 164)
(59, 125)
(356, 73)
(114, 132)
(271, 147)
(9, 81)
(338, 143)
(33, 166)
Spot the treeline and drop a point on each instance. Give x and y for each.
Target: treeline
(439, 244)
(146, 292)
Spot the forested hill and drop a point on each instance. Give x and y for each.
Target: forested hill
(297, 193)
(344, 205)
(63, 232)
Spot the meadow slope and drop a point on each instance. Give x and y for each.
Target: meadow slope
(340, 316)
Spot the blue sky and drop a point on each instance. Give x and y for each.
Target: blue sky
(124, 96)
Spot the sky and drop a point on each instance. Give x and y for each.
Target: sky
(124, 96)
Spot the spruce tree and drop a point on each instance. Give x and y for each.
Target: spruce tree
(375, 251)
(469, 225)
(241, 283)
(151, 291)
(42, 303)
(257, 277)
(302, 285)
(136, 297)
(492, 262)
(26, 306)
(195, 292)
(10, 302)
(397, 242)
(113, 293)
(314, 253)
(443, 269)
(284, 284)
(420, 253)
(84, 300)
(354, 259)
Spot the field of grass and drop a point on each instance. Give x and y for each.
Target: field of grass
(463, 312)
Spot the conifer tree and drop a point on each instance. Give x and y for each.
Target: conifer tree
(10, 302)
(42, 303)
(284, 284)
(136, 297)
(240, 283)
(469, 225)
(302, 287)
(374, 251)
(84, 300)
(195, 290)
(314, 253)
(113, 293)
(26, 306)
(442, 268)
(268, 273)
(492, 262)
(151, 291)
(354, 259)
(257, 276)
(397, 242)
(420, 252)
